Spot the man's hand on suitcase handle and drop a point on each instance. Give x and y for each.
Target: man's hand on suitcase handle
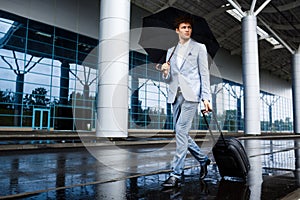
(207, 107)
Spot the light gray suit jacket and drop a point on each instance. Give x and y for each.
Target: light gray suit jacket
(193, 76)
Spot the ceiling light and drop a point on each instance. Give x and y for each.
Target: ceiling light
(43, 34)
(263, 34)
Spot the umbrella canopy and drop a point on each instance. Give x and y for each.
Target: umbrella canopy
(158, 33)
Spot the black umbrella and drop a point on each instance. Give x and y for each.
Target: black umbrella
(158, 33)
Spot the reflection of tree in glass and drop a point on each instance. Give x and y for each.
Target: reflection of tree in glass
(6, 99)
(20, 72)
(86, 82)
(36, 98)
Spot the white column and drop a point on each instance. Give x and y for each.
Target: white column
(255, 178)
(251, 75)
(296, 91)
(112, 104)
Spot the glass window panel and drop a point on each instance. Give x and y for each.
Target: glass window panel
(40, 39)
(87, 51)
(65, 45)
(13, 34)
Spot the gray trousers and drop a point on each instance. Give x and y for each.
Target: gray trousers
(183, 113)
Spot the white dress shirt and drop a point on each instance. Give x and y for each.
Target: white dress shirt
(181, 52)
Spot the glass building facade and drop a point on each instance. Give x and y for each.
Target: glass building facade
(48, 80)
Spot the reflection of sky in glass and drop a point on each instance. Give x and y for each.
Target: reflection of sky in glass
(5, 26)
(40, 75)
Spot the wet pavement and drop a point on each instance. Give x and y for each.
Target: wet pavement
(137, 172)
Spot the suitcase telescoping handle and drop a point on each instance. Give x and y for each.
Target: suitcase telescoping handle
(208, 127)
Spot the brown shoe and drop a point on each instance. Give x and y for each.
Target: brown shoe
(171, 182)
(204, 171)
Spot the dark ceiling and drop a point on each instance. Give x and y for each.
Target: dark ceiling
(282, 18)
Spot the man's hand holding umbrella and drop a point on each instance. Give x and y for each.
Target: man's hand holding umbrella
(165, 68)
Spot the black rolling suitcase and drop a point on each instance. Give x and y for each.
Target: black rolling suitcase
(229, 154)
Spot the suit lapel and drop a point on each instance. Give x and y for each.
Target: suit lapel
(175, 58)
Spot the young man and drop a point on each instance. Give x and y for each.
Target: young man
(187, 74)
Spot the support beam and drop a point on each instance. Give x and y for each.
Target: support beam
(112, 103)
(237, 7)
(261, 7)
(276, 36)
(296, 91)
(252, 6)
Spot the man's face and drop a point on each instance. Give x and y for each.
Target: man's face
(184, 31)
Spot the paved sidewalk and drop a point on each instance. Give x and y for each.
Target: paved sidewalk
(137, 171)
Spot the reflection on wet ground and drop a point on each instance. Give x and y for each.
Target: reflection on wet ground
(117, 173)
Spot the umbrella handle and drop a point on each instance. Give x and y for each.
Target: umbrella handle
(158, 66)
(172, 53)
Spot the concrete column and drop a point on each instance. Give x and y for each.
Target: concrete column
(296, 90)
(251, 75)
(112, 105)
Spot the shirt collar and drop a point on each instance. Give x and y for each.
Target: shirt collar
(185, 44)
